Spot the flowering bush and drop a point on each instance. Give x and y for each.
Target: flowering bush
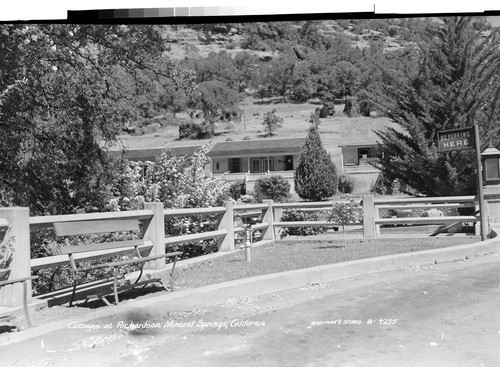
(6, 253)
(177, 182)
(181, 182)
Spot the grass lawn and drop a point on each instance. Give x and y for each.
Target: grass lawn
(292, 255)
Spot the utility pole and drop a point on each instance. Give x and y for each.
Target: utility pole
(244, 119)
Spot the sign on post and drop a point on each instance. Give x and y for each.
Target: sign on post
(457, 139)
(461, 139)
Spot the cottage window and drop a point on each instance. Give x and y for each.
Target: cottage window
(364, 153)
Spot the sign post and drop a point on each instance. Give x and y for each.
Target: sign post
(462, 139)
(482, 206)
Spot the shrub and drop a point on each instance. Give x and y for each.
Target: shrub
(237, 189)
(179, 182)
(365, 107)
(247, 199)
(246, 138)
(191, 130)
(276, 188)
(346, 184)
(316, 174)
(299, 216)
(6, 251)
(328, 109)
(44, 243)
(351, 108)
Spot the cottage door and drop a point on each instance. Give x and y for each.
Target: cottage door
(256, 165)
(288, 163)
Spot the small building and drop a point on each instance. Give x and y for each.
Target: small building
(360, 151)
(252, 159)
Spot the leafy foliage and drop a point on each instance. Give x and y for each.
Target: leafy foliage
(346, 213)
(66, 92)
(280, 75)
(180, 182)
(346, 184)
(276, 188)
(215, 98)
(300, 216)
(6, 249)
(219, 67)
(237, 189)
(271, 122)
(316, 174)
(453, 83)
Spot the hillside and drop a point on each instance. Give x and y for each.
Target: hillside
(305, 43)
(266, 41)
(189, 40)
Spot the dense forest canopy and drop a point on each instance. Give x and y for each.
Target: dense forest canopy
(65, 91)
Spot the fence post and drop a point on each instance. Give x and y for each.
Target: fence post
(268, 216)
(154, 231)
(369, 228)
(226, 222)
(485, 212)
(278, 213)
(18, 218)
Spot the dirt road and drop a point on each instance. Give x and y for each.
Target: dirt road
(444, 315)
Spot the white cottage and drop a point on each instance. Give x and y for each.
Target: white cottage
(252, 159)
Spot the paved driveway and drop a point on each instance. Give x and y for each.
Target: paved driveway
(443, 315)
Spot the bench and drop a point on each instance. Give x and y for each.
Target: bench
(6, 316)
(105, 250)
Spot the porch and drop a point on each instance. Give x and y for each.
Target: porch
(360, 158)
(254, 166)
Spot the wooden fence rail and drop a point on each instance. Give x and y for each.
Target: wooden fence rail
(156, 240)
(372, 207)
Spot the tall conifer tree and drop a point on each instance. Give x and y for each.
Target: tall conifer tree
(316, 174)
(454, 82)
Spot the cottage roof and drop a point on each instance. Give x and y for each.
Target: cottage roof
(248, 147)
(150, 154)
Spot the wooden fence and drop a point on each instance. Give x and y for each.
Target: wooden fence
(373, 206)
(153, 218)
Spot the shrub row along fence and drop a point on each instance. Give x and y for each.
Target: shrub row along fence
(156, 242)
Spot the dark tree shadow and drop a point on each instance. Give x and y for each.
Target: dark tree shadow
(8, 329)
(123, 296)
